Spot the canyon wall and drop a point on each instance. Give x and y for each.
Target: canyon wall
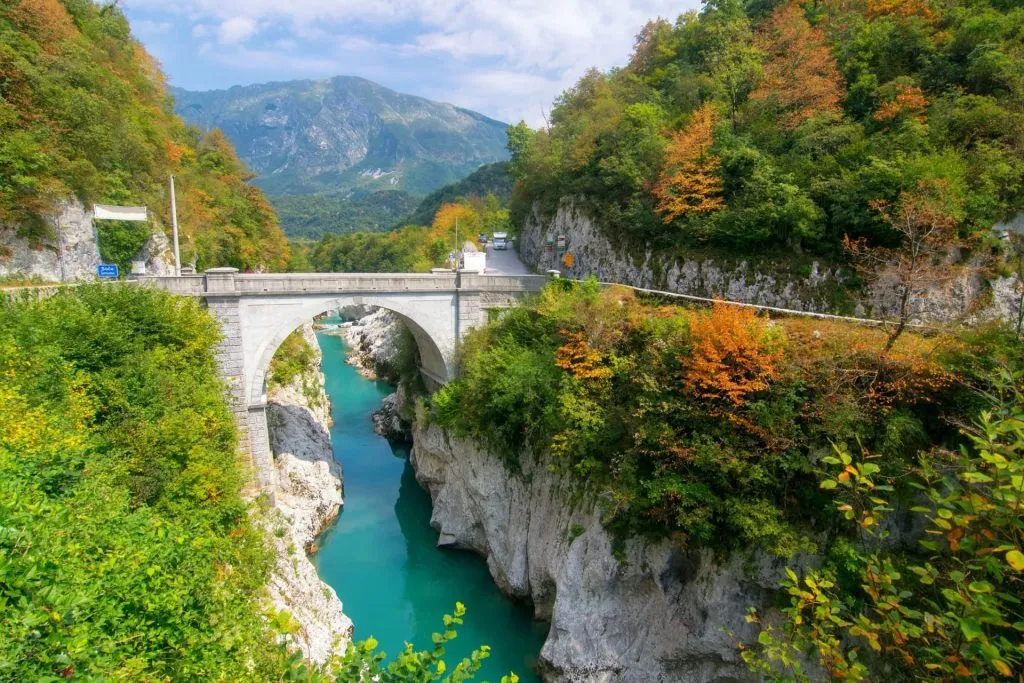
(647, 612)
(307, 496)
(814, 285)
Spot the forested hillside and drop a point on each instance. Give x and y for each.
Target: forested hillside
(84, 113)
(767, 124)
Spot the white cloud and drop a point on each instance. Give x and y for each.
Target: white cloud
(508, 58)
(236, 30)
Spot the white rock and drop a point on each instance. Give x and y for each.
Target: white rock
(660, 614)
(308, 497)
(968, 297)
(70, 254)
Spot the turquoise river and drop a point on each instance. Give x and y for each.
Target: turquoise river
(382, 556)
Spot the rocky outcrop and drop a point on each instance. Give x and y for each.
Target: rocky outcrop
(811, 287)
(71, 253)
(648, 613)
(157, 255)
(307, 494)
(373, 342)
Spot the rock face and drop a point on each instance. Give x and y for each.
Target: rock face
(72, 254)
(655, 614)
(373, 339)
(753, 280)
(308, 497)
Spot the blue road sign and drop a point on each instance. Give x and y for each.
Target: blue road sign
(107, 270)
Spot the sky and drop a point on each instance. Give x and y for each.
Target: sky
(507, 59)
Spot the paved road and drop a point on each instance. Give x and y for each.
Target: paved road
(504, 262)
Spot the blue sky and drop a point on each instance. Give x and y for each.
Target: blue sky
(505, 58)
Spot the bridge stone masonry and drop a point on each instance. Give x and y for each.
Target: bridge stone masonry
(257, 312)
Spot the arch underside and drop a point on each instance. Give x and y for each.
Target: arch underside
(266, 324)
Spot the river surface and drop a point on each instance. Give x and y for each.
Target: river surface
(382, 556)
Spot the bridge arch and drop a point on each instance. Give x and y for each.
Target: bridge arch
(428, 331)
(258, 311)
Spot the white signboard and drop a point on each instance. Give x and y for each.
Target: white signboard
(119, 213)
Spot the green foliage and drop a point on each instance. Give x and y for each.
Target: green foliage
(362, 663)
(926, 91)
(126, 550)
(413, 248)
(656, 413)
(949, 608)
(490, 179)
(313, 215)
(293, 358)
(120, 241)
(84, 113)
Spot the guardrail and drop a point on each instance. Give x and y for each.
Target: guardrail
(760, 307)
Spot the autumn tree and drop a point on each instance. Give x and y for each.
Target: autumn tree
(689, 183)
(733, 354)
(801, 76)
(926, 220)
(908, 102)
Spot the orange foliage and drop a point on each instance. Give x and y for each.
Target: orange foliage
(46, 20)
(801, 75)
(730, 358)
(689, 182)
(579, 358)
(174, 152)
(844, 359)
(910, 100)
(898, 8)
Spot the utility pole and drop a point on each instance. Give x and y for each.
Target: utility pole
(174, 231)
(456, 243)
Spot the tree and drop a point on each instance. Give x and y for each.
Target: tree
(801, 76)
(520, 141)
(689, 183)
(732, 356)
(926, 220)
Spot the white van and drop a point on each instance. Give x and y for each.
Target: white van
(500, 241)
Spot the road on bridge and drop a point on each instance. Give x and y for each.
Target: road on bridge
(504, 262)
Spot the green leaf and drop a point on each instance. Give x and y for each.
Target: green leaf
(971, 629)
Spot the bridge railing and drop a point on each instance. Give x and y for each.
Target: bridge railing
(224, 281)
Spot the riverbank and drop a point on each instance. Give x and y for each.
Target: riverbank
(307, 496)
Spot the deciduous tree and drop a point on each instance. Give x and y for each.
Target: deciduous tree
(801, 76)
(689, 183)
(926, 220)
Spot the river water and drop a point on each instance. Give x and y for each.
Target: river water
(382, 556)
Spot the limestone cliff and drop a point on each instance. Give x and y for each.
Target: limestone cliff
(654, 613)
(72, 253)
(308, 496)
(816, 286)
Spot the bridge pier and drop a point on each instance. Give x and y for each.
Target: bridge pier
(224, 304)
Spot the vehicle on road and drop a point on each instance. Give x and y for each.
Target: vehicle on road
(481, 238)
(500, 241)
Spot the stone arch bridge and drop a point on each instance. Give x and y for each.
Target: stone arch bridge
(257, 312)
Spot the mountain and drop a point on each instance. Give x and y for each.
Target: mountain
(346, 135)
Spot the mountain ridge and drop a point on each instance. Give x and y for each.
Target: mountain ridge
(345, 134)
